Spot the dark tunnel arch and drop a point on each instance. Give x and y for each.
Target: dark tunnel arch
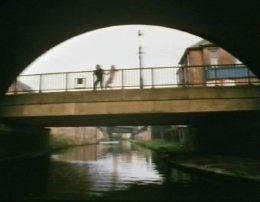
(30, 28)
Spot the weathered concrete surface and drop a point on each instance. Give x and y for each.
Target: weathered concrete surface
(126, 106)
(62, 137)
(236, 167)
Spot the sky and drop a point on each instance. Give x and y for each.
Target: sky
(117, 45)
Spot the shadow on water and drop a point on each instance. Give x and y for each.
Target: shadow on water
(22, 179)
(109, 172)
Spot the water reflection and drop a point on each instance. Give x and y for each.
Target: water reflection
(95, 169)
(119, 171)
(181, 177)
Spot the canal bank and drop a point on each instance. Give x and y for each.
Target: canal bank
(226, 167)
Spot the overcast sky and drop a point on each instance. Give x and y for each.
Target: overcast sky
(117, 46)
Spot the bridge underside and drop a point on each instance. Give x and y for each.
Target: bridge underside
(217, 118)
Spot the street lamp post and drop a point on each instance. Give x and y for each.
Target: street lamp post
(140, 59)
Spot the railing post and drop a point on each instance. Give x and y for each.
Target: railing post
(40, 83)
(152, 76)
(203, 76)
(93, 83)
(248, 76)
(141, 82)
(66, 81)
(122, 79)
(15, 86)
(184, 70)
(215, 75)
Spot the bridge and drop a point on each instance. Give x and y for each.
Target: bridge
(166, 97)
(130, 107)
(215, 104)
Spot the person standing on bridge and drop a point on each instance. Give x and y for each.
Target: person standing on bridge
(111, 74)
(99, 76)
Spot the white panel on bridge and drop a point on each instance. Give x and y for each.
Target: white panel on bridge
(80, 83)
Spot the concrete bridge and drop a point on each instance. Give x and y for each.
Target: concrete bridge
(132, 107)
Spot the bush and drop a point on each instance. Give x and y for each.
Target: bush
(163, 146)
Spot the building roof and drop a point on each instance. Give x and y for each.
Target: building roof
(198, 45)
(19, 86)
(202, 42)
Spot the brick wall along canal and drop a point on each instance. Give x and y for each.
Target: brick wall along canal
(112, 171)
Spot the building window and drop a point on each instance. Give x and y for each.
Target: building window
(213, 56)
(188, 60)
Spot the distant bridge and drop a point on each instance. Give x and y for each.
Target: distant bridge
(121, 129)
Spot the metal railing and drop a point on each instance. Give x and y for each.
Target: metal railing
(160, 77)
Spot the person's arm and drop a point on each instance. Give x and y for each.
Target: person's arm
(108, 72)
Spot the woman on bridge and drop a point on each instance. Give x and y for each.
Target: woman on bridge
(111, 74)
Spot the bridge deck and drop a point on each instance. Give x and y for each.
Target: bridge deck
(129, 107)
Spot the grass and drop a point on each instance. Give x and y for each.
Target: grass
(241, 171)
(162, 146)
(59, 144)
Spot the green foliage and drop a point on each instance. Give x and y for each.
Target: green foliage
(241, 171)
(57, 144)
(162, 146)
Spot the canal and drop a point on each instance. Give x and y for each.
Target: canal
(112, 171)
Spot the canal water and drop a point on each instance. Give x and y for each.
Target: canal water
(113, 171)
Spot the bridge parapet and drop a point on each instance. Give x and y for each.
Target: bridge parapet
(159, 77)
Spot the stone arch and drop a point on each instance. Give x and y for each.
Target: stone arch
(30, 28)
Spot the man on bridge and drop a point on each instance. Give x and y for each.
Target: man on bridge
(99, 76)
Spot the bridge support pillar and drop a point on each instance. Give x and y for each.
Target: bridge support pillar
(22, 142)
(230, 138)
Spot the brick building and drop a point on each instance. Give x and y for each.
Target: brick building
(205, 63)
